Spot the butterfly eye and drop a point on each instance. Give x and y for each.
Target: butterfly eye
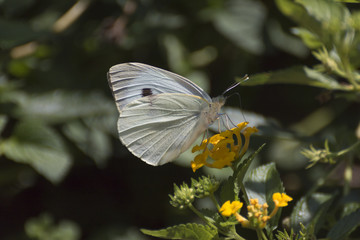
(146, 92)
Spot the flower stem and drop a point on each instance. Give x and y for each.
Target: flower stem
(263, 234)
(200, 215)
(260, 234)
(213, 199)
(349, 72)
(321, 181)
(348, 173)
(349, 149)
(274, 211)
(233, 233)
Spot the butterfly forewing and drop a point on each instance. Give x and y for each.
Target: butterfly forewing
(131, 81)
(159, 128)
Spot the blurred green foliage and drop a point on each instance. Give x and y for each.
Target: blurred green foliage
(43, 228)
(59, 151)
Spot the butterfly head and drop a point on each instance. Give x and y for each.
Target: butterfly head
(213, 111)
(219, 100)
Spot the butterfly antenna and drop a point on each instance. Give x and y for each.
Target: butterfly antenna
(242, 113)
(245, 78)
(234, 85)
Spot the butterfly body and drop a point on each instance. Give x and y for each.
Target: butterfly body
(161, 113)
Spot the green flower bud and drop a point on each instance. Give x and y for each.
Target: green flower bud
(182, 197)
(204, 186)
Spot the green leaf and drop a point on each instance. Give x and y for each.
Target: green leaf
(349, 208)
(175, 53)
(60, 106)
(189, 231)
(230, 188)
(310, 40)
(39, 146)
(331, 14)
(299, 14)
(348, 1)
(320, 17)
(244, 165)
(20, 68)
(344, 226)
(91, 141)
(261, 184)
(227, 190)
(310, 211)
(286, 41)
(355, 20)
(295, 75)
(3, 121)
(241, 21)
(44, 228)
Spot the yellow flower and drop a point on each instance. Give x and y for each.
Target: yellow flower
(247, 133)
(244, 222)
(223, 148)
(199, 160)
(228, 209)
(281, 200)
(215, 139)
(198, 148)
(257, 216)
(222, 158)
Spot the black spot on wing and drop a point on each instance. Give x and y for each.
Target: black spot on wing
(146, 92)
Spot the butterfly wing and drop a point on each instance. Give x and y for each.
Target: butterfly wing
(158, 128)
(131, 81)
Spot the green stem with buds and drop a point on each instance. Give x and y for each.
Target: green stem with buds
(200, 215)
(232, 233)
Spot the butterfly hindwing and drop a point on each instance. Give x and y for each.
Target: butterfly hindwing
(158, 128)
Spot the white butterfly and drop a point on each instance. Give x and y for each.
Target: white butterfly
(161, 113)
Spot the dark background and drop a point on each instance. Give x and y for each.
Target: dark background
(122, 194)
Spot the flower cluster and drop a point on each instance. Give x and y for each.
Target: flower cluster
(228, 209)
(257, 214)
(223, 148)
(319, 155)
(185, 195)
(204, 186)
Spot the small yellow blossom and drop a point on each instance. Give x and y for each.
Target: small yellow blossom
(223, 148)
(199, 160)
(215, 139)
(254, 201)
(228, 209)
(281, 199)
(244, 222)
(198, 148)
(257, 216)
(247, 133)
